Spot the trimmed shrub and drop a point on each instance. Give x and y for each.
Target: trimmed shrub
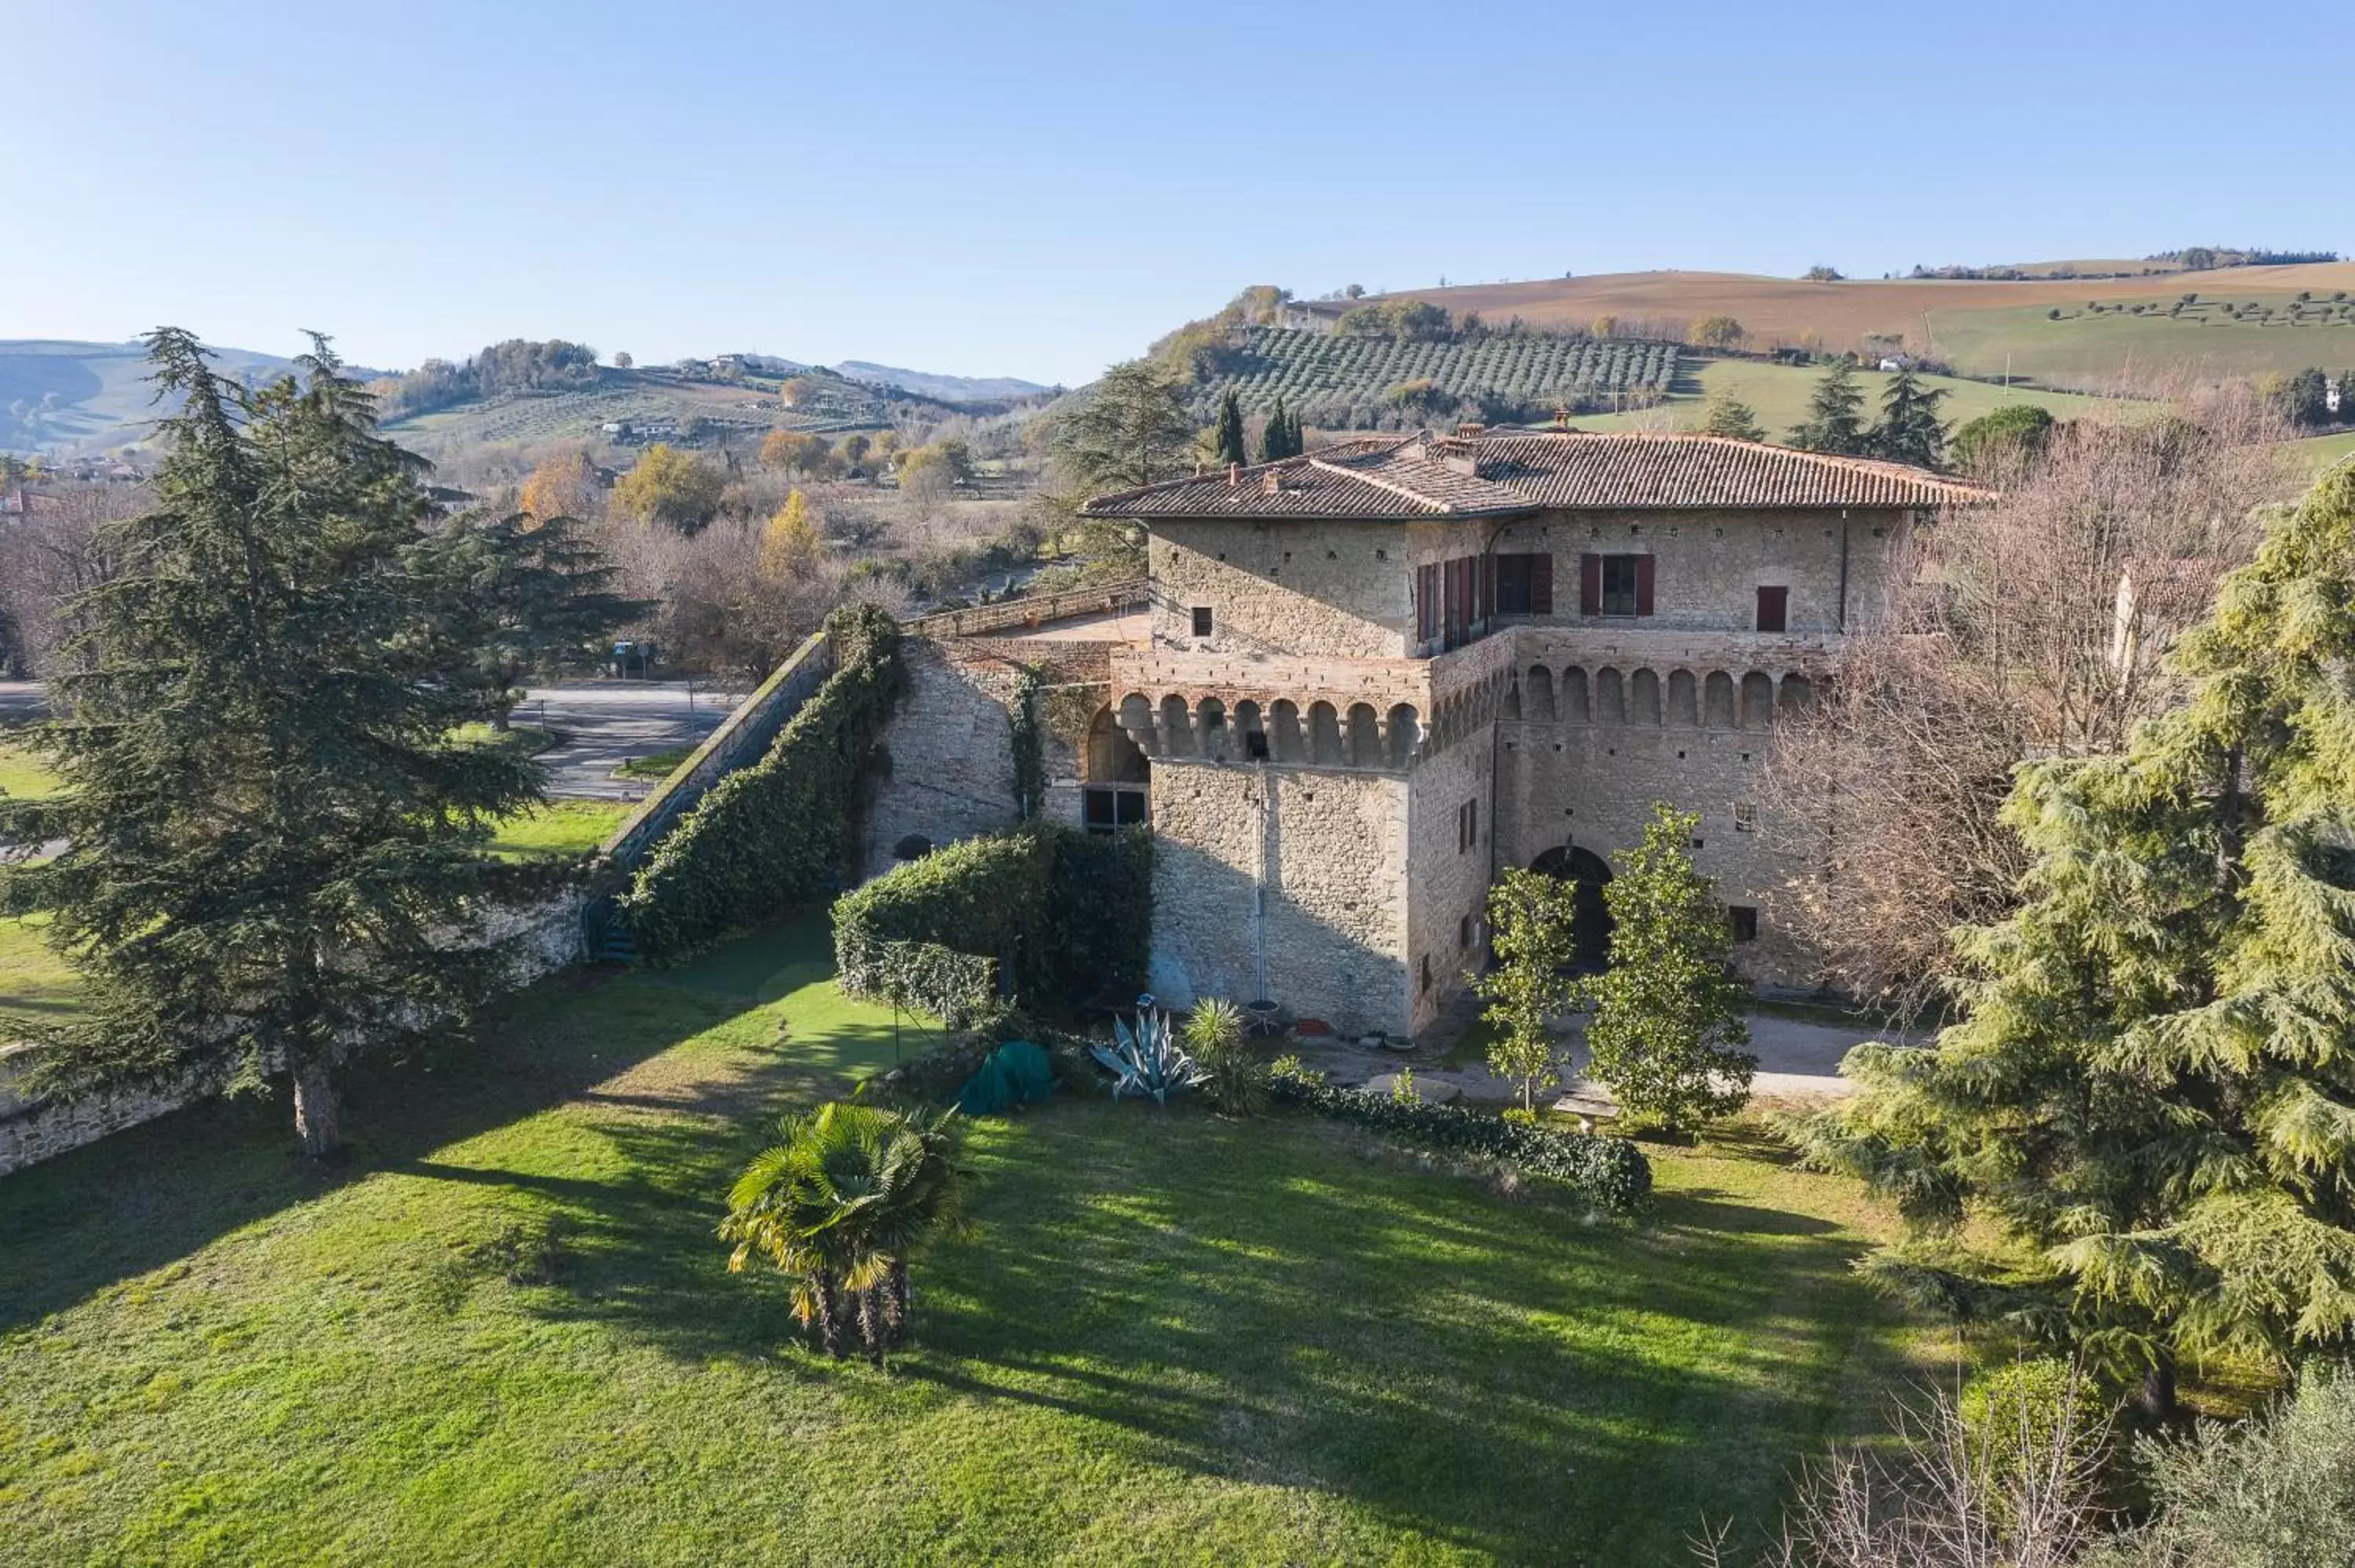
(769, 838)
(1609, 1172)
(1060, 913)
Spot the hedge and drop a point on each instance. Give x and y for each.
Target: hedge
(768, 839)
(1610, 1172)
(1064, 914)
(922, 977)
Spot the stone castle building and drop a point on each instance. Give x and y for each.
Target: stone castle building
(1362, 682)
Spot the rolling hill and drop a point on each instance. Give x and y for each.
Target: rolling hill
(61, 397)
(2245, 318)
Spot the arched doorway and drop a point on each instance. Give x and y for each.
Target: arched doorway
(1586, 872)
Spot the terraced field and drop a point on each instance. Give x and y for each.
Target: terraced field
(1332, 376)
(1779, 395)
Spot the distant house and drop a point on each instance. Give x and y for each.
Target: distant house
(1314, 316)
(448, 501)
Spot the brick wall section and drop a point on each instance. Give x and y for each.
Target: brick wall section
(1328, 847)
(951, 741)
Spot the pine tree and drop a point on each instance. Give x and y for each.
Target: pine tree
(1530, 922)
(1129, 430)
(1834, 421)
(1227, 436)
(516, 596)
(1728, 416)
(1668, 1026)
(1910, 429)
(2154, 1087)
(271, 832)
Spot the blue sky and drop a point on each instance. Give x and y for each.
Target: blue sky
(1037, 190)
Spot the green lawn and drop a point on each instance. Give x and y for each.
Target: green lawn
(560, 828)
(22, 773)
(503, 1332)
(1778, 394)
(656, 764)
(35, 983)
(2319, 453)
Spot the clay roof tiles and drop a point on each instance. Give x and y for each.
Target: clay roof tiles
(1403, 478)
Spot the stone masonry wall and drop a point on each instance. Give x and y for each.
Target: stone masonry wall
(1447, 879)
(951, 741)
(1593, 787)
(1710, 564)
(1333, 589)
(1328, 849)
(545, 937)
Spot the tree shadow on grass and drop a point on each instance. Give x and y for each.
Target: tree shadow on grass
(111, 1210)
(1271, 1305)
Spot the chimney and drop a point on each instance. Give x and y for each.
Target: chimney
(1234, 474)
(1469, 431)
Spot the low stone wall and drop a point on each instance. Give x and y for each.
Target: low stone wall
(544, 937)
(1007, 614)
(740, 738)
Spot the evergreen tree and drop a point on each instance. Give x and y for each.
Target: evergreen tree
(1531, 930)
(1667, 1029)
(518, 595)
(1129, 430)
(1910, 429)
(1281, 439)
(1227, 436)
(2154, 1087)
(1834, 421)
(270, 834)
(1728, 416)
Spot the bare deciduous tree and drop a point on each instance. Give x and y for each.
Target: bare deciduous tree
(50, 552)
(2032, 627)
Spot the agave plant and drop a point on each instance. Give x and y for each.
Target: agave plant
(1145, 1058)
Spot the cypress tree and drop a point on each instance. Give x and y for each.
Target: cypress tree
(1834, 421)
(1227, 436)
(2154, 1087)
(1275, 441)
(270, 834)
(1910, 429)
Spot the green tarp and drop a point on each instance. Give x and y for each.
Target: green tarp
(1017, 1072)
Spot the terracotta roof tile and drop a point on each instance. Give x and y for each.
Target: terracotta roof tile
(1493, 475)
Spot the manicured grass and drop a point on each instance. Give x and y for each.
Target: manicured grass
(22, 773)
(2319, 452)
(529, 739)
(503, 1332)
(1779, 395)
(560, 828)
(36, 985)
(655, 765)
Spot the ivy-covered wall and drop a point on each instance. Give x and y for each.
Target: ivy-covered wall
(771, 838)
(1063, 916)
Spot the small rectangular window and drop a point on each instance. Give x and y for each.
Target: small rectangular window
(1105, 811)
(1774, 608)
(1201, 620)
(1745, 817)
(1743, 919)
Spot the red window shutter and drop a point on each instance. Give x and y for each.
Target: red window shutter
(1590, 584)
(1541, 583)
(1642, 584)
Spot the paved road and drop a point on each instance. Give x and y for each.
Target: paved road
(605, 722)
(22, 702)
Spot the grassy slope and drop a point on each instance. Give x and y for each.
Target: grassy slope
(2322, 451)
(1169, 1339)
(1778, 394)
(1975, 323)
(560, 828)
(2084, 350)
(22, 773)
(36, 985)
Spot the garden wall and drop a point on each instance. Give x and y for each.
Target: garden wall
(545, 937)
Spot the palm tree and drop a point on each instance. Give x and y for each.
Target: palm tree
(840, 1203)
